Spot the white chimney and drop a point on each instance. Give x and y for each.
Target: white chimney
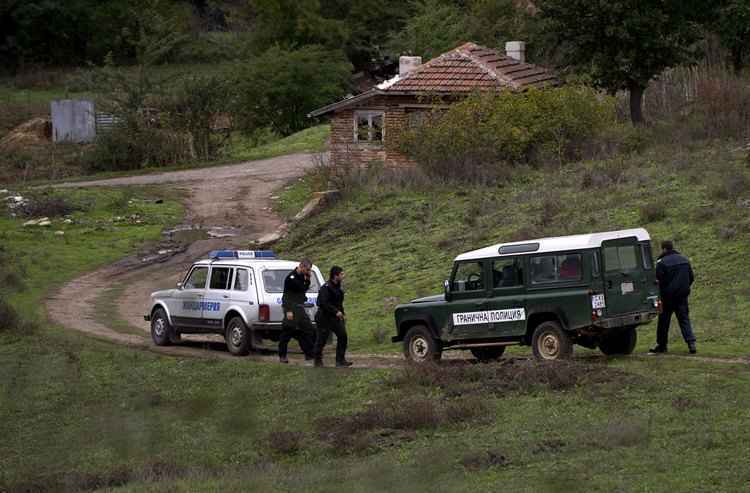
(516, 50)
(407, 64)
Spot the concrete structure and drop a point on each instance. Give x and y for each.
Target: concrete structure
(516, 50)
(73, 121)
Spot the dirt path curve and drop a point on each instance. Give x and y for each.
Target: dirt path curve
(234, 198)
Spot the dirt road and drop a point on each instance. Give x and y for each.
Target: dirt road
(234, 200)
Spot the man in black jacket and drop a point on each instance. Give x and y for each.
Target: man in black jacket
(330, 318)
(675, 276)
(296, 324)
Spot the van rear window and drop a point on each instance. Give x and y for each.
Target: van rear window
(273, 280)
(620, 258)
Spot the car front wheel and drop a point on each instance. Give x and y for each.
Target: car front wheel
(162, 332)
(551, 342)
(620, 342)
(420, 346)
(237, 337)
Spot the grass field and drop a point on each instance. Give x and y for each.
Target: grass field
(78, 414)
(397, 243)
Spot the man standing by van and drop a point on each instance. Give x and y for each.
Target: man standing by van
(296, 324)
(675, 276)
(330, 318)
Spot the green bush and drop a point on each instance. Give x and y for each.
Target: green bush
(126, 148)
(481, 135)
(279, 88)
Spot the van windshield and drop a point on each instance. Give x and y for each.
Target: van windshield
(273, 280)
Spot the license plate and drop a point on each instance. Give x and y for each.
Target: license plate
(627, 287)
(597, 301)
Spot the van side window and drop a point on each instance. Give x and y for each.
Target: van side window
(197, 279)
(619, 258)
(505, 273)
(556, 268)
(468, 277)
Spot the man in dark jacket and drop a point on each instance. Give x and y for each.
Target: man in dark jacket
(675, 276)
(296, 324)
(330, 318)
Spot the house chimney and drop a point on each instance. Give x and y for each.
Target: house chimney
(407, 64)
(516, 50)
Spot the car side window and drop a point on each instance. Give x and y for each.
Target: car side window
(197, 278)
(468, 277)
(220, 277)
(241, 280)
(506, 273)
(648, 261)
(556, 268)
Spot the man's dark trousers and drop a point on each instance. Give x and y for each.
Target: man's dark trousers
(301, 329)
(680, 308)
(325, 327)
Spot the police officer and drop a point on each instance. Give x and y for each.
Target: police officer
(296, 323)
(330, 318)
(675, 276)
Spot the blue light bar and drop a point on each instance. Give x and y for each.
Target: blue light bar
(241, 254)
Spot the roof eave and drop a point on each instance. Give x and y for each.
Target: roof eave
(344, 103)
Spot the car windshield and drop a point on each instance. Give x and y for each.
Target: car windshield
(273, 280)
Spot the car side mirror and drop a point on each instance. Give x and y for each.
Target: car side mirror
(447, 289)
(179, 285)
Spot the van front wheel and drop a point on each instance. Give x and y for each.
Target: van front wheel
(551, 342)
(620, 342)
(420, 346)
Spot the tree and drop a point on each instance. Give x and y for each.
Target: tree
(624, 44)
(433, 28)
(279, 88)
(733, 27)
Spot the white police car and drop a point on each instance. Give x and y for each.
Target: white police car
(234, 293)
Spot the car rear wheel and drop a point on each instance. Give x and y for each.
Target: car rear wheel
(420, 346)
(489, 353)
(620, 342)
(551, 342)
(237, 337)
(162, 332)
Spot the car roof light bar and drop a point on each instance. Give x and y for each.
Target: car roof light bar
(240, 254)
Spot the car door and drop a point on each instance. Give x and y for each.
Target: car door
(217, 297)
(468, 304)
(624, 287)
(186, 306)
(507, 304)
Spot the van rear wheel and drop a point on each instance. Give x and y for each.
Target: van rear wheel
(551, 342)
(489, 353)
(620, 342)
(420, 346)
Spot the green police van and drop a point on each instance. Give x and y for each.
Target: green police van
(550, 293)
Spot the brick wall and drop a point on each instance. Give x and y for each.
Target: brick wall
(346, 152)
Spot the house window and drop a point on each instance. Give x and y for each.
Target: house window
(368, 126)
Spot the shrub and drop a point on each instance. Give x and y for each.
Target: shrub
(286, 442)
(652, 212)
(136, 147)
(476, 138)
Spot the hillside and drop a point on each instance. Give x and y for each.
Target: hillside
(397, 240)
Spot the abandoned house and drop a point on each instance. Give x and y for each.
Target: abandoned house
(363, 127)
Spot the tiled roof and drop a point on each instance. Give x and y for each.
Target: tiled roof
(468, 68)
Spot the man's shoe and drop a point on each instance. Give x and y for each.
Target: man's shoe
(319, 363)
(657, 350)
(284, 360)
(343, 364)
(691, 347)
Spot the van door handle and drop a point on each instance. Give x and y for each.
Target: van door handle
(225, 296)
